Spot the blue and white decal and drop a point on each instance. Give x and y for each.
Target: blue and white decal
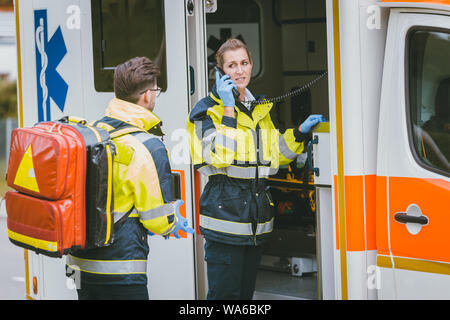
(49, 54)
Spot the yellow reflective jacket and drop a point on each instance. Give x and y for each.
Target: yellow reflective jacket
(142, 178)
(236, 147)
(142, 188)
(238, 155)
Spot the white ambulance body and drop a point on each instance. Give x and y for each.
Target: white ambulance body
(381, 195)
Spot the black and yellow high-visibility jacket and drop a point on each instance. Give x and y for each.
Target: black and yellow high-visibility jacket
(142, 187)
(238, 155)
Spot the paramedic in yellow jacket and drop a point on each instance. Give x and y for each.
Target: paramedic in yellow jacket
(142, 187)
(237, 146)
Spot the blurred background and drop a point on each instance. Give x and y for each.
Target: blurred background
(12, 267)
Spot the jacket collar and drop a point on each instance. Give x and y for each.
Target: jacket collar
(255, 114)
(132, 114)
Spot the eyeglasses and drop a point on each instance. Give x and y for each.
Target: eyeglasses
(158, 91)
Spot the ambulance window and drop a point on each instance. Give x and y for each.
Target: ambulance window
(122, 30)
(234, 19)
(428, 52)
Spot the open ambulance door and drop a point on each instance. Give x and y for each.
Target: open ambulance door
(413, 184)
(171, 262)
(288, 45)
(196, 12)
(67, 53)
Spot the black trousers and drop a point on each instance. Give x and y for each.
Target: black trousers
(112, 292)
(231, 270)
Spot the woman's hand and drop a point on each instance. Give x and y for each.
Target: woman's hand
(310, 122)
(224, 87)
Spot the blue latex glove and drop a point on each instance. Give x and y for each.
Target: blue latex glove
(224, 87)
(310, 122)
(182, 223)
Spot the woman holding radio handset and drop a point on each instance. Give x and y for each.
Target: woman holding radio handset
(237, 146)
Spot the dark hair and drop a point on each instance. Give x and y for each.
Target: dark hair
(134, 76)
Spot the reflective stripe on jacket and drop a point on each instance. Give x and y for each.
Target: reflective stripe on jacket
(142, 186)
(238, 155)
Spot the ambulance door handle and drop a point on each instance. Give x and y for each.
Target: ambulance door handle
(315, 140)
(413, 219)
(192, 79)
(403, 217)
(176, 186)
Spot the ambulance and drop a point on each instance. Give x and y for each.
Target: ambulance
(364, 213)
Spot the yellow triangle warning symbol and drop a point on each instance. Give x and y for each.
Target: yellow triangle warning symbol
(25, 176)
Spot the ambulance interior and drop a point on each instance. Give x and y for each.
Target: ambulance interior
(288, 43)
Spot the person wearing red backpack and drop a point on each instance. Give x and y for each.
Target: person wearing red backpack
(142, 188)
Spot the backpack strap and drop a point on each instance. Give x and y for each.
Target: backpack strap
(117, 132)
(123, 131)
(73, 119)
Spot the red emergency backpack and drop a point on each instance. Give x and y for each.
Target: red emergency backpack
(62, 172)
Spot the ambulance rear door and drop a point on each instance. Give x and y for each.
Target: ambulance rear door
(413, 184)
(68, 52)
(122, 30)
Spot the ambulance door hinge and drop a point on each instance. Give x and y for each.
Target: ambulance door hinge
(190, 7)
(211, 6)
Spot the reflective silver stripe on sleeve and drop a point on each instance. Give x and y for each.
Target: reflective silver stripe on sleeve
(224, 226)
(158, 212)
(264, 227)
(107, 266)
(174, 224)
(207, 144)
(198, 125)
(284, 149)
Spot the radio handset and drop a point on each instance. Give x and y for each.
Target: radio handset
(235, 92)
